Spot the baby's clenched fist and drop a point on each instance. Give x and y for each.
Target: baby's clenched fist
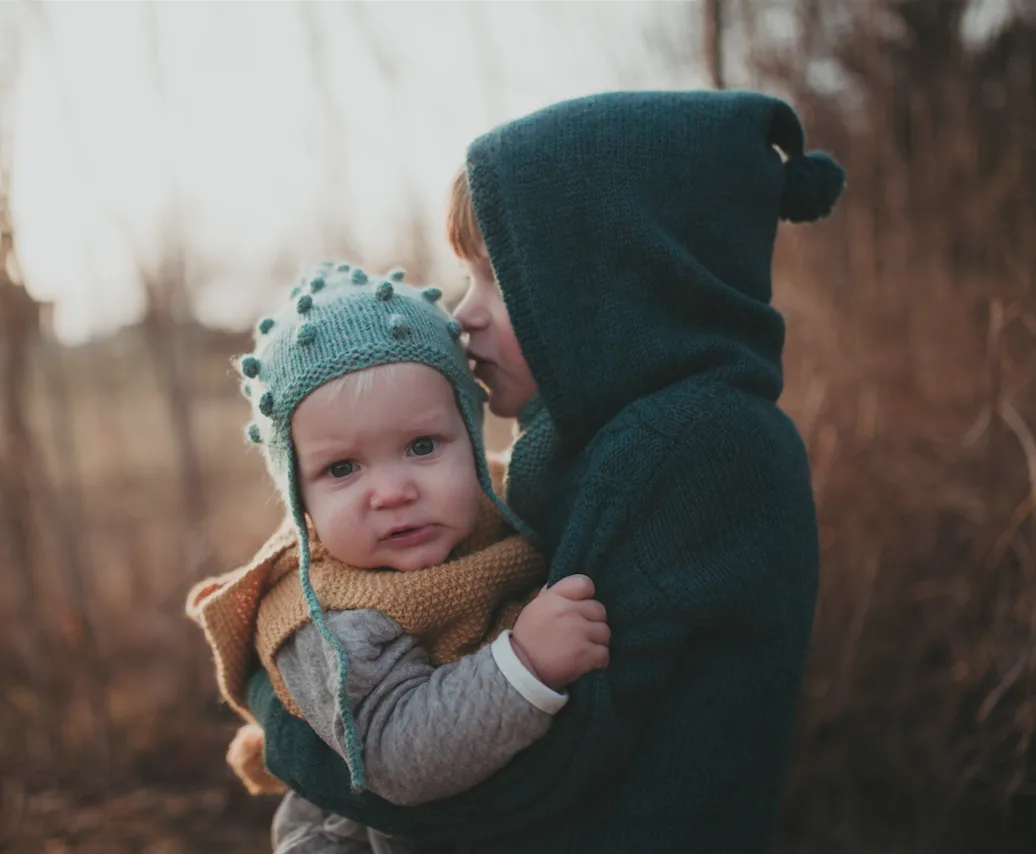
(562, 633)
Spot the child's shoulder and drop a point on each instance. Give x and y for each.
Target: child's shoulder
(673, 433)
(691, 408)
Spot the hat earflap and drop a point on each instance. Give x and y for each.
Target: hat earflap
(353, 745)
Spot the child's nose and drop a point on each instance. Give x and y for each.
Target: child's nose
(392, 489)
(469, 313)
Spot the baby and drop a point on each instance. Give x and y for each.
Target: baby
(388, 611)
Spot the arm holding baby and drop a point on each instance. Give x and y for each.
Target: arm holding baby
(431, 732)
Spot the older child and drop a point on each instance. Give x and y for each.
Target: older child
(370, 424)
(620, 303)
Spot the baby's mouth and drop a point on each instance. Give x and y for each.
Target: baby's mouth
(415, 535)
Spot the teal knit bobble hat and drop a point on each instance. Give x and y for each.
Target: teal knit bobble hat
(337, 321)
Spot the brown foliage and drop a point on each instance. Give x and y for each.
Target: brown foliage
(910, 359)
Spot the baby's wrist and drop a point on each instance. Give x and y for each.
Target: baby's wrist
(523, 657)
(519, 673)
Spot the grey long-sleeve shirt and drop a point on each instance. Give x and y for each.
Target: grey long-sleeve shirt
(428, 732)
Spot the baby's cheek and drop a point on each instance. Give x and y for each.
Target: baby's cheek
(333, 524)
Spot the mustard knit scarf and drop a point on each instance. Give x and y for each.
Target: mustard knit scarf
(453, 608)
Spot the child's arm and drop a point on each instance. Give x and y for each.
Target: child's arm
(427, 732)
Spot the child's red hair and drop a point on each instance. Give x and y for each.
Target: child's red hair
(462, 230)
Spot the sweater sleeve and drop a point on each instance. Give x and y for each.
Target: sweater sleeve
(428, 732)
(676, 560)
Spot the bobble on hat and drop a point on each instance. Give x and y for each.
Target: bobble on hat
(250, 366)
(398, 327)
(812, 184)
(432, 295)
(359, 277)
(397, 275)
(265, 325)
(343, 268)
(317, 284)
(453, 327)
(812, 181)
(385, 291)
(295, 291)
(304, 304)
(307, 334)
(246, 389)
(252, 431)
(266, 403)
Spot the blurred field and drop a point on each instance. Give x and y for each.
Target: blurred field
(910, 364)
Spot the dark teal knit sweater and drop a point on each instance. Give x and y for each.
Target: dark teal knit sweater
(632, 236)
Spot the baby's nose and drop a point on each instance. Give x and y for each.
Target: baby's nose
(392, 489)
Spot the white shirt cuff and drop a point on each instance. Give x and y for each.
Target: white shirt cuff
(543, 698)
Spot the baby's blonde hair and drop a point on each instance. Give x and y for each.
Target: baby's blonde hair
(358, 383)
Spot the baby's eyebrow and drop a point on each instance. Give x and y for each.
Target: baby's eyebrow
(436, 418)
(316, 458)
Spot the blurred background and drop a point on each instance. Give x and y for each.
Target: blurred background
(166, 171)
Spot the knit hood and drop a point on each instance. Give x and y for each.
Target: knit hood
(632, 235)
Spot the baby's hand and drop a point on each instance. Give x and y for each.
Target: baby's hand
(562, 633)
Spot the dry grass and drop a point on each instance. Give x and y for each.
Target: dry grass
(911, 355)
(918, 715)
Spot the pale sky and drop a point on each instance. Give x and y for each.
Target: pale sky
(272, 125)
(231, 112)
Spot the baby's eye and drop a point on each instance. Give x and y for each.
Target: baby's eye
(343, 468)
(422, 446)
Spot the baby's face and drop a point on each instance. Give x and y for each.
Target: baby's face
(386, 469)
